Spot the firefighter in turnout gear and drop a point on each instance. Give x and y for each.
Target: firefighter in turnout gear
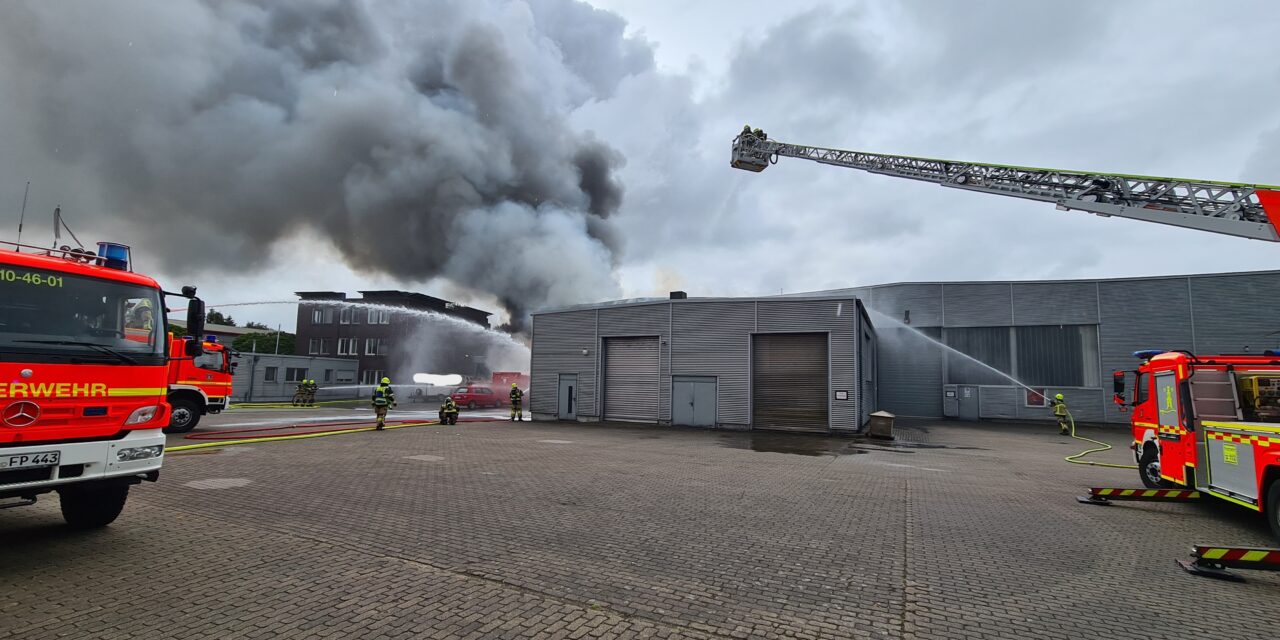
(517, 399)
(309, 393)
(449, 411)
(300, 393)
(384, 398)
(1060, 412)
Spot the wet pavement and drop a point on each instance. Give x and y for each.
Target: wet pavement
(546, 530)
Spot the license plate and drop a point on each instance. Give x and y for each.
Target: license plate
(25, 460)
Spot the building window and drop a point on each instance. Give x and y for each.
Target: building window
(345, 315)
(989, 349)
(379, 316)
(328, 375)
(1035, 397)
(375, 347)
(345, 376)
(295, 374)
(1058, 355)
(322, 315)
(347, 346)
(316, 346)
(270, 374)
(372, 376)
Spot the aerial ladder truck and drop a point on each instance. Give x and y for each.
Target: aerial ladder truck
(1203, 425)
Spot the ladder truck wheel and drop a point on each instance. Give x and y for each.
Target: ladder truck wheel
(92, 506)
(1149, 469)
(1273, 508)
(185, 416)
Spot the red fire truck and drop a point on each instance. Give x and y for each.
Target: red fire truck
(197, 385)
(83, 372)
(1210, 423)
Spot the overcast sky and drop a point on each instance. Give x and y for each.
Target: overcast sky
(659, 88)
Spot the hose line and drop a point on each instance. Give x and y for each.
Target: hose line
(1076, 459)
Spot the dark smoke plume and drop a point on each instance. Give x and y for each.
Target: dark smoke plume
(423, 139)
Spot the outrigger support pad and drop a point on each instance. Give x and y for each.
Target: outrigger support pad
(1104, 495)
(1213, 561)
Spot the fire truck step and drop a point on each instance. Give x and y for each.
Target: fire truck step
(1213, 561)
(21, 502)
(1104, 495)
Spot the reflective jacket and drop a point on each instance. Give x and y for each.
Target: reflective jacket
(516, 395)
(1059, 407)
(383, 395)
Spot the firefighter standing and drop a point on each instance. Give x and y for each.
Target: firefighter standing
(517, 399)
(1060, 412)
(383, 399)
(310, 393)
(300, 393)
(449, 411)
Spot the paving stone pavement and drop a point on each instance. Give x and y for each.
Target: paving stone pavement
(494, 530)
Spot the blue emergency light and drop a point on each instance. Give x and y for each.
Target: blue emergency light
(1147, 354)
(211, 338)
(114, 255)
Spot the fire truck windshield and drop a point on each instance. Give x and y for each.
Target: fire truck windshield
(48, 316)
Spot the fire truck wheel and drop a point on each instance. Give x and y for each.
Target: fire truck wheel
(1273, 508)
(1149, 469)
(90, 507)
(185, 416)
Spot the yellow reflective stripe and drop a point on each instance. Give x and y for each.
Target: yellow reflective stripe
(1145, 424)
(1253, 556)
(1213, 554)
(1127, 492)
(132, 392)
(205, 383)
(1241, 427)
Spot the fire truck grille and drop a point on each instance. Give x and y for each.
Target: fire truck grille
(25, 475)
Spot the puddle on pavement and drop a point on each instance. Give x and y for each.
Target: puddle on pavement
(812, 445)
(799, 445)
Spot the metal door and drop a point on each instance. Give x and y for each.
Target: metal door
(567, 398)
(967, 400)
(693, 401)
(789, 382)
(631, 379)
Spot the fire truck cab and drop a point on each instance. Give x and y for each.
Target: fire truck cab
(1211, 423)
(198, 385)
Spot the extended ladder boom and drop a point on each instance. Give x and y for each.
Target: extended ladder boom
(1243, 210)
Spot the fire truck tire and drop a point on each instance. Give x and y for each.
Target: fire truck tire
(1273, 508)
(185, 416)
(1149, 469)
(90, 507)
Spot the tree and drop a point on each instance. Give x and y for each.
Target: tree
(215, 317)
(256, 325)
(264, 342)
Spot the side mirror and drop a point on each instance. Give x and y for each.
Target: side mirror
(1117, 387)
(195, 327)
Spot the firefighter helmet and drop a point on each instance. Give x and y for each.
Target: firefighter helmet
(386, 381)
(1059, 396)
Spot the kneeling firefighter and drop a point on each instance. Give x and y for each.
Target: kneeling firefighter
(449, 411)
(1060, 412)
(383, 399)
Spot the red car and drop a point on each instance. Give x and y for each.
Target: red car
(479, 397)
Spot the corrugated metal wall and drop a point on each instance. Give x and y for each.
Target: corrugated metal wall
(978, 305)
(714, 339)
(910, 371)
(1141, 314)
(839, 318)
(1055, 303)
(559, 340)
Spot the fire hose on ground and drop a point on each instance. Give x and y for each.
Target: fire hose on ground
(1076, 459)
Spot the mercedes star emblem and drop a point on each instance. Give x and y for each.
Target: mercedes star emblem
(21, 414)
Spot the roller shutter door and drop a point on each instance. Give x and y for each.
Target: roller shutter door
(631, 379)
(789, 382)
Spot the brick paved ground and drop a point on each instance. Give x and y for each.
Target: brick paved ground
(568, 531)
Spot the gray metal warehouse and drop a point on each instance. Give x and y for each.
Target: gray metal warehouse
(1058, 336)
(792, 364)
